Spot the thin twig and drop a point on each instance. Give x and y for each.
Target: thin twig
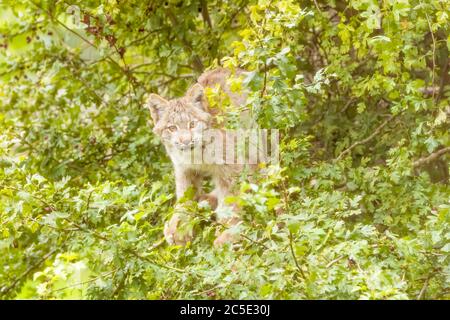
(264, 32)
(85, 282)
(373, 135)
(317, 6)
(5, 290)
(291, 240)
(434, 47)
(423, 291)
(255, 242)
(333, 261)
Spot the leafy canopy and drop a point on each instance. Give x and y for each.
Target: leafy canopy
(358, 208)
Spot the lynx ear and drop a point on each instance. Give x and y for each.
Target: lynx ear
(196, 94)
(156, 104)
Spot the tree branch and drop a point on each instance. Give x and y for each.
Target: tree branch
(431, 157)
(434, 48)
(364, 141)
(205, 13)
(291, 246)
(5, 290)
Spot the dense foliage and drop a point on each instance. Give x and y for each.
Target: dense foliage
(359, 207)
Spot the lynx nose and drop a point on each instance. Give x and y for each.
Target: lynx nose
(185, 139)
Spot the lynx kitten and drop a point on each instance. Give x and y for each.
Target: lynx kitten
(181, 123)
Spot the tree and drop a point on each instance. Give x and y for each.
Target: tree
(358, 208)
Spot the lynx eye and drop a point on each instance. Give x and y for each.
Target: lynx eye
(192, 124)
(172, 128)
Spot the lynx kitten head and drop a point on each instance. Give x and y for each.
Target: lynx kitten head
(180, 122)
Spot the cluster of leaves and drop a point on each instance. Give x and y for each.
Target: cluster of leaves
(359, 207)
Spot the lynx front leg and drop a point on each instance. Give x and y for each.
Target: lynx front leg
(173, 229)
(224, 212)
(183, 180)
(227, 214)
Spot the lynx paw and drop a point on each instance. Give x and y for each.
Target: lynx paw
(211, 199)
(175, 233)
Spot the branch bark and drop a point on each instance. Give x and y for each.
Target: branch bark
(364, 141)
(431, 157)
(5, 290)
(205, 13)
(291, 246)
